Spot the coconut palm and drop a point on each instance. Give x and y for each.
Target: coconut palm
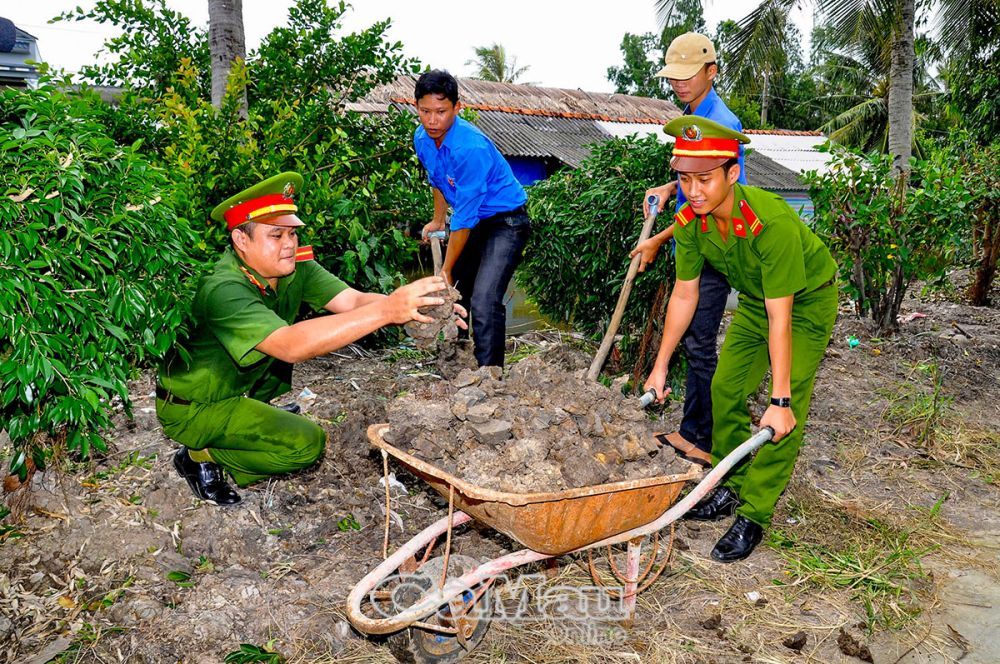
(491, 64)
(761, 31)
(853, 81)
(226, 43)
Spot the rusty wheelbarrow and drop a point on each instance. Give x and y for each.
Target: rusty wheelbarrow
(437, 598)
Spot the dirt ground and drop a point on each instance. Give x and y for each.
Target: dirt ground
(885, 548)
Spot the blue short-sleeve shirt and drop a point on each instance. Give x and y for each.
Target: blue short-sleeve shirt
(470, 172)
(713, 108)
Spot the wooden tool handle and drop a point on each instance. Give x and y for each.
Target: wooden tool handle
(616, 318)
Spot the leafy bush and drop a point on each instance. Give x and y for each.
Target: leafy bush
(981, 168)
(585, 223)
(885, 232)
(95, 267)
(363, 195)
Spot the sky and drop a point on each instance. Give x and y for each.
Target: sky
(563, 43)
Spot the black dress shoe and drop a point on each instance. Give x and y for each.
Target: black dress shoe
(205, 479)
(720, 504)
(292, 408)
(739, 541)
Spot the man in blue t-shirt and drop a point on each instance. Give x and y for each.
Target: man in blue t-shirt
(690, 69)
(489, 224)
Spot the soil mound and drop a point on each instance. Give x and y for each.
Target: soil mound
(538, 429)
(425, 335)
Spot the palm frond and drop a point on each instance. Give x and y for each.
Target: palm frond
(664, 10)
(759, 38)
(962, 26)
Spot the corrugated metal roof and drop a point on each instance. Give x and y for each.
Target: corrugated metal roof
(797, 152)
(780, 132)
(527, 98)
(539, 136)
(764, 172)
(566, 122)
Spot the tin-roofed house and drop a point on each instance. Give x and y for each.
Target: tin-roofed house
(539, 130)
(17, 47)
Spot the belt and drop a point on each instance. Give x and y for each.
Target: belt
(162, 393)
(829, 283)
(511, 213)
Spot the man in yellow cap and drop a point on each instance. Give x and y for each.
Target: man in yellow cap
(784, 319)
(214, 390)
(690, 68)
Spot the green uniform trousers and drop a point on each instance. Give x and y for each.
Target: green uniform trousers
(251, 439)
(743, 362)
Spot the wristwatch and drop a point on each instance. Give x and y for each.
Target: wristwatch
(781, 402)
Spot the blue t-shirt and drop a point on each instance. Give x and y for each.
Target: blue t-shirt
(470, 172)
(713, 108)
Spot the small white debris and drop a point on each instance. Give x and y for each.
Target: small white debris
(753, 596)
(306, 394)
(393, 483)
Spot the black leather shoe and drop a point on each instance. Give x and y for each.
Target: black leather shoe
(720, 504)
(292, 408)
(739, 541)
(205, 479)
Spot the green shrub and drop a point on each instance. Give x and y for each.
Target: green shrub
(886, 233)
(363, 195)
(585, 223)
(96, 267)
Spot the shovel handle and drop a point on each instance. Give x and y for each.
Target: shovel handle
(653, 203)
(648, 397)
(435, 238)
(616, 317)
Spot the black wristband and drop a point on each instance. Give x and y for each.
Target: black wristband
(781, 402)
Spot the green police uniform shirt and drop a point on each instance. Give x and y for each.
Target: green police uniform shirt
(769, 252)
(235, 309)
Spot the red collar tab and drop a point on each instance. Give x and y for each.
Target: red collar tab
(684, 215)
(751, 220)
(259, 207)
(696, 146)
(253, 280)
(304, 254)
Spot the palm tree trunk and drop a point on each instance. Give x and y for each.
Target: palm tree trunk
(901, 88)
(226, 43)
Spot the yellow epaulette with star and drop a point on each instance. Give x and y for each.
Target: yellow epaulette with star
(253, 280)
(749, 220)
(685, 215)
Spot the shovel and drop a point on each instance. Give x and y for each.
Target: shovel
(609, 337)
(435, 237)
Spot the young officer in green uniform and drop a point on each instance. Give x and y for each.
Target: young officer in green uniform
(787, 308)
(213, 392)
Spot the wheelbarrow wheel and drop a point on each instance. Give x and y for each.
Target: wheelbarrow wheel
(417, 645)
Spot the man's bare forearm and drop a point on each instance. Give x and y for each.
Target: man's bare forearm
(318, 336)
(456, 243)
(779, 344)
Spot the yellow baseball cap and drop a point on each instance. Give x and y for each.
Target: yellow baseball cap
(686, 55)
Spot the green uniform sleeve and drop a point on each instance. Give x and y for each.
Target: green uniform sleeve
(782, 258)
(688, 260)
(239, 319)
(320, 285)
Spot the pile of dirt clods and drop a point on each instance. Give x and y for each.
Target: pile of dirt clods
(539, 428)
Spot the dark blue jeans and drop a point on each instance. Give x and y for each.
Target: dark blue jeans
(482, 274)
(699, 343)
